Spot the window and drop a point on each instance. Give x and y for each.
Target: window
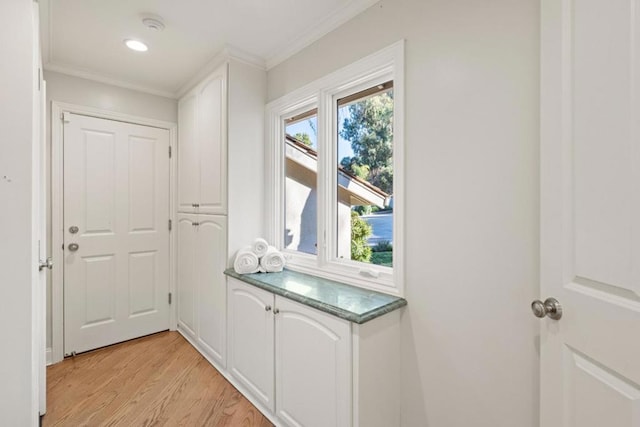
(336, 190)
(364, 182)
(301, 189)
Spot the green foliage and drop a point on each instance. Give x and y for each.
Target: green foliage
(360, 231)
(363, 210)
(304, 137)
(383, 246)
(369, 128)
(382, 258)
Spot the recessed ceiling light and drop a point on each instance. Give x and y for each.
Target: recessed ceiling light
(136, 45)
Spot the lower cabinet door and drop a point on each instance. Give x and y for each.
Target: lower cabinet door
(187, 274)
(251, 340)
(313, 366)
(212, 291)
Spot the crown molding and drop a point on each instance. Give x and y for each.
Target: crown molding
(227, 53)
(90, 75)
(333, 21)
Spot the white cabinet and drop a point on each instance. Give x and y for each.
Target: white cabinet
(202, 146)
(251, 344)
(303, 356)
(313, 366)
(220, 143)
(202, 244)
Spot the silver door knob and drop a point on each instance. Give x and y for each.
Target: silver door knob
(74, 247)
(267, 308)
(550, 308)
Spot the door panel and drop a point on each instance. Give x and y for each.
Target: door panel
(590, 217)
(116, 192)
(591, 382)
(187, 273)
(142, 269)
(251, 351)
(313, 359)
(142, 183)
(212, 295)
(188, 155)
(99, 290)
(212, 139)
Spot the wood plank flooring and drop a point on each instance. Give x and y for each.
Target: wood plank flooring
(159, 380)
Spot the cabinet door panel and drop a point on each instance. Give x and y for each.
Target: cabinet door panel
(188, 155)
(313, 367)
(187, 274)
(211, 260)
(251, 326)
(212, 138)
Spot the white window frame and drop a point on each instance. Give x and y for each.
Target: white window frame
(323, 94)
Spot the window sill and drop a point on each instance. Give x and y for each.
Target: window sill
(347, 302)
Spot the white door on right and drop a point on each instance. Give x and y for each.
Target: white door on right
(590, 212)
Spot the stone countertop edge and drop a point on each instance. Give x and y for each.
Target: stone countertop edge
(393, 305)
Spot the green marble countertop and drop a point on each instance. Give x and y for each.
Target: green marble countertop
(348, 302)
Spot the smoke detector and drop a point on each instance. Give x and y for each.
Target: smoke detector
(153, 23)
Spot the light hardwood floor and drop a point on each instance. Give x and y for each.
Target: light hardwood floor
(157, 380)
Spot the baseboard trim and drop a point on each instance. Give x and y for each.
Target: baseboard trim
(49, 356)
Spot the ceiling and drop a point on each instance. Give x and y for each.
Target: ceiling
(85, 37)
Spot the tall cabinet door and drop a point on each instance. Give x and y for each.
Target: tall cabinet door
(313, 366)
(212, 137)
(251, 350)
(188, 154)
(187, 273)
(211, 304)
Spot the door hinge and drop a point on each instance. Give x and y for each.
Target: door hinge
(64, 117)
(170, 298)
(39, 79)
(170, 225)
(170, 151)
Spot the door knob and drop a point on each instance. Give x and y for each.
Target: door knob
(74, 247)
(550, 308)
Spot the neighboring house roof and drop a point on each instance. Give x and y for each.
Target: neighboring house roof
(356, 190)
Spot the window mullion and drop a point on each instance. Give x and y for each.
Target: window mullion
(325, 219)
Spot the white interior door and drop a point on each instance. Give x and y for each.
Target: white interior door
(116, 212)
(590, 219)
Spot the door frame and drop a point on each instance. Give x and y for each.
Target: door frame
(57, 209)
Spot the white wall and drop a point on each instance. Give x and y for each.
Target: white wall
(245, 170)
(18, 405)
(75, 90)
(468, 346)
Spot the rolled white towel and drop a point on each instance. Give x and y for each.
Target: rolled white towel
(273, 261)
(260, 247)
(246, 261)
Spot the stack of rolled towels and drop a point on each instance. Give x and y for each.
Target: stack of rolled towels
(260, 257)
